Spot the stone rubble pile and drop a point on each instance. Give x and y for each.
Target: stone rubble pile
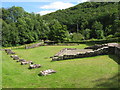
(21, 60)
(47, 72)
(34, 66)
(26, 62)
(9, 51)
(15, 57)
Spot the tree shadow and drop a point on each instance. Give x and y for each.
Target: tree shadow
(111, 82)
(115, 58)
(90, 44)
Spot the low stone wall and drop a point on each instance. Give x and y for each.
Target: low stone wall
(34, 45)
(101, 51)
(95, 47)
(111, 48)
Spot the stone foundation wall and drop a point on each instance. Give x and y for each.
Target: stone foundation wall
(111, 48)
(101, 51)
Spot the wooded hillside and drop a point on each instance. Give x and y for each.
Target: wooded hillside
(89, 17)
(84, 21)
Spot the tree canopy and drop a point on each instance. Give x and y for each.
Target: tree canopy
(98, 20)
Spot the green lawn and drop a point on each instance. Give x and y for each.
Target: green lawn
(91, 72)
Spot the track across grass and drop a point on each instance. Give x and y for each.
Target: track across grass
(90, 72)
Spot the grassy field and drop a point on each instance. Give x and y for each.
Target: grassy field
(91, 72)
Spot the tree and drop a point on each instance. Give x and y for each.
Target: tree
(86, 33)
(76, 37)
(98, 30)
(108, 30)
(100, 34)
(5, 34)
(57, 31)
(14, 35)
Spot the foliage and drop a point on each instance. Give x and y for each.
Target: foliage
(76, 37)
(86, 33)
(109, 36)
(101, 18)
(90, 20)
(20, 27)
(58, 31)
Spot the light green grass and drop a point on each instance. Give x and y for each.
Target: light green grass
(88, 72)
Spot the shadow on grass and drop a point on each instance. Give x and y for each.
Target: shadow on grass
(90, 44)
(111, 82)
(115, 58)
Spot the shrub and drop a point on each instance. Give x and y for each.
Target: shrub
(76, 37)
(117, 34)
(109, 36)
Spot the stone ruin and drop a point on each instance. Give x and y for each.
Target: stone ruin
(103, 49)
(21, 60)
(9, 51)
(47, 72)
(15, 57)
(34, 66)
(34, 45)
(26, 62)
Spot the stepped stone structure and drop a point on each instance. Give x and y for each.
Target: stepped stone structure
(70, 53)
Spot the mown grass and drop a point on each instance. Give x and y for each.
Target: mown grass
(74, 73)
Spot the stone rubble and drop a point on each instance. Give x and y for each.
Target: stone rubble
(27, 62)
(15, 57)
(34, 66)
(47, 72)
(21, 60)
(9, 51)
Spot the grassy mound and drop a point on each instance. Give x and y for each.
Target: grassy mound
(91, 72)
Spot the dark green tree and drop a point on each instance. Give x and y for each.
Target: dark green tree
(86, 34)
(57, 31)
(98, 30)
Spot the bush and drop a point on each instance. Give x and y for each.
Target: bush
(76, 37)
(109, 36)
(117, 34)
